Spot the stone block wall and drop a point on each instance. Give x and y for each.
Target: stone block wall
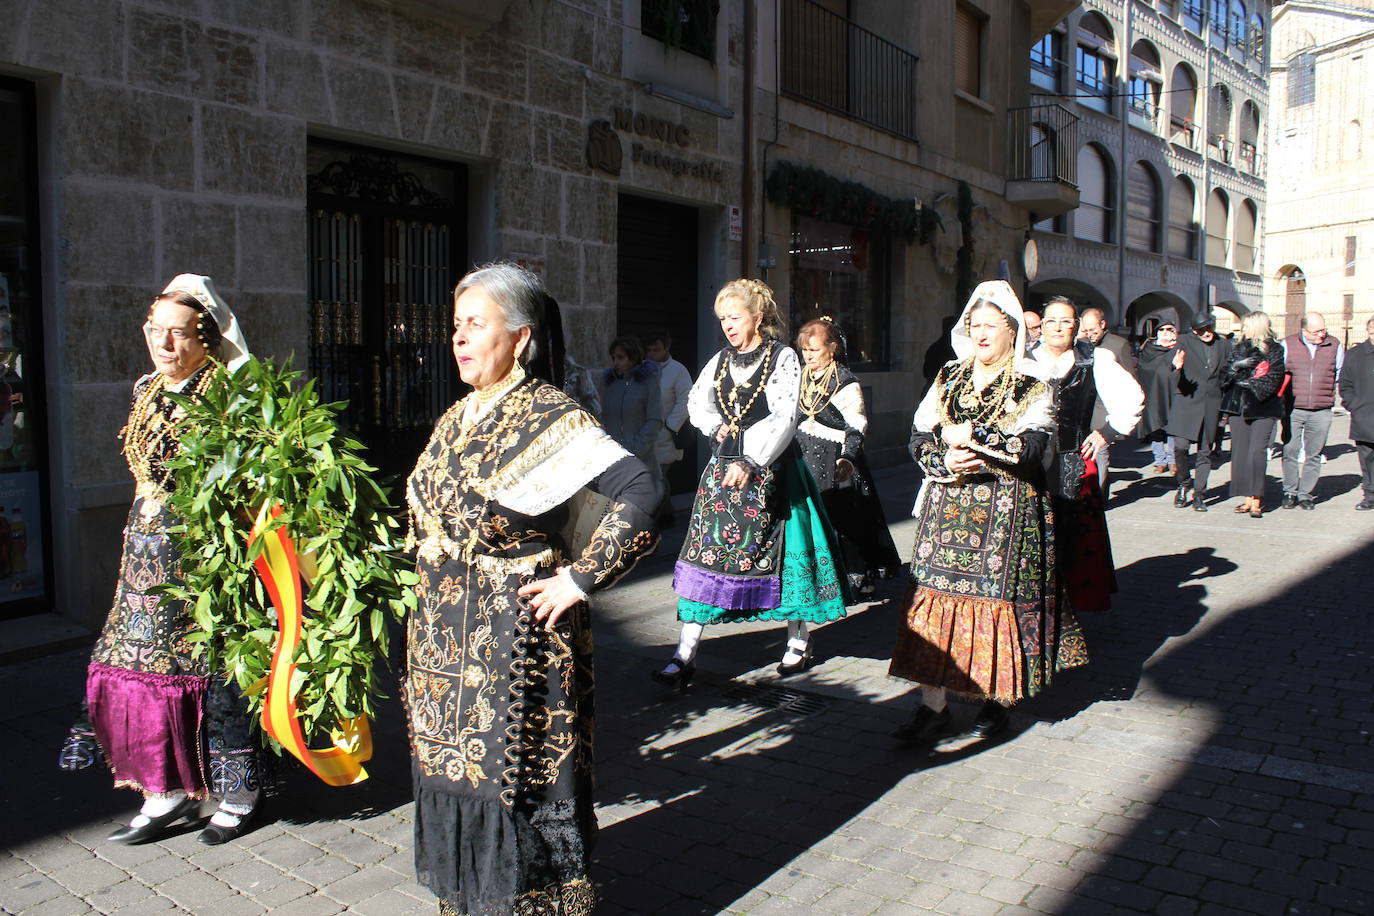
(174, 140)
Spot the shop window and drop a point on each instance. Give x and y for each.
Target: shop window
(24, 549)
(689, 25)
(844, 272)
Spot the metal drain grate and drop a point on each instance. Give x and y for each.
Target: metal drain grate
(767, 697)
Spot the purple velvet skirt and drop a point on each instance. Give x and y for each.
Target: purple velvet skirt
(149, 726)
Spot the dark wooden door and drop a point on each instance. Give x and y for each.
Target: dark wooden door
(387, 246)
(656, 287)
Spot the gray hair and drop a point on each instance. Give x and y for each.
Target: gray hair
(517, 292)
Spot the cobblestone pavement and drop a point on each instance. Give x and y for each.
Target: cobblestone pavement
(1214, 758)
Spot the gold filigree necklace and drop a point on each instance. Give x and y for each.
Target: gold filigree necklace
(815, 390)
(729, 406)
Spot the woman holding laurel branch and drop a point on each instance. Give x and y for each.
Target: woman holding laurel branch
(499, 676)
(982, 615)
(163, 723)
(757, 546)
(830, 431)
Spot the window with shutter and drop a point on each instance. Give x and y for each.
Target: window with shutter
(1093, 218)
(1247, 218)
(1182, 225)
(1218, 241)
(968, 40)
(1142, 208)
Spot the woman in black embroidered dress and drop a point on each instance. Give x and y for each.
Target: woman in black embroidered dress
(830, 430)
(983, 615)
(499, 680)
(152, 710)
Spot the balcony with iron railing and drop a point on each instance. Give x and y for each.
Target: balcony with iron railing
(831, 62)
(1042, 159)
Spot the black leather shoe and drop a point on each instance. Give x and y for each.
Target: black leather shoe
(1289, 502)
(214, 834)
(1181, 497)
(1307, 504)
(677, 674)
(924, 727)
(785, 669)
(992, 718)
(132, 836)
(1199, 504)
(1365, 505)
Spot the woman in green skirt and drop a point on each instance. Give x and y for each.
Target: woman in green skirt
(759, 546)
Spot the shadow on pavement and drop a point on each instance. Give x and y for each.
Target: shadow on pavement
(1275, 812)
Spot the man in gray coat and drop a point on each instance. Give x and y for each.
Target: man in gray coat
(1357, 394)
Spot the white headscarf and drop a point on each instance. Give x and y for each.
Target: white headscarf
(997, 293)
(233, 348)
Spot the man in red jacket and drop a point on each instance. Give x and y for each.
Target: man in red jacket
(1314, 360)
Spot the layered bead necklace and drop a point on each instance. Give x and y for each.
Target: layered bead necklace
(816, 389)
(979, 393)
(150, 436)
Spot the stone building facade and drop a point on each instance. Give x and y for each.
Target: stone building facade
(1321, 225)
(1173, 96)
(335, 165)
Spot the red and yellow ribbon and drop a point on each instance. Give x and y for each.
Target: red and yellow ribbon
(280, 570)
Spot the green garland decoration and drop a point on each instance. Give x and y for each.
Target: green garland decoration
(260, 436)
(814, 193)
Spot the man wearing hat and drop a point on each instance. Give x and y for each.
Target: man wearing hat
(1197, 362)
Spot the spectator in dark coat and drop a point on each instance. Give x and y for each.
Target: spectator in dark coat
(631, 406)
(1196, 405)
(1357, 394)
(1156, 373)
(1251, 383)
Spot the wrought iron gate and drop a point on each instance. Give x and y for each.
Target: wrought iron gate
(386, 248)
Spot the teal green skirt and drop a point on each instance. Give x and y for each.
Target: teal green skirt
(814, 586)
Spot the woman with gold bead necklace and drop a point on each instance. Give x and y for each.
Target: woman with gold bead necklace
(983, 617)
(830, 431)
(166, 725)
(757, 547)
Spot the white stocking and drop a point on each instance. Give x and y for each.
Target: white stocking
(688, 642)
(156, 806)
(934, 697)
(797, 642)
